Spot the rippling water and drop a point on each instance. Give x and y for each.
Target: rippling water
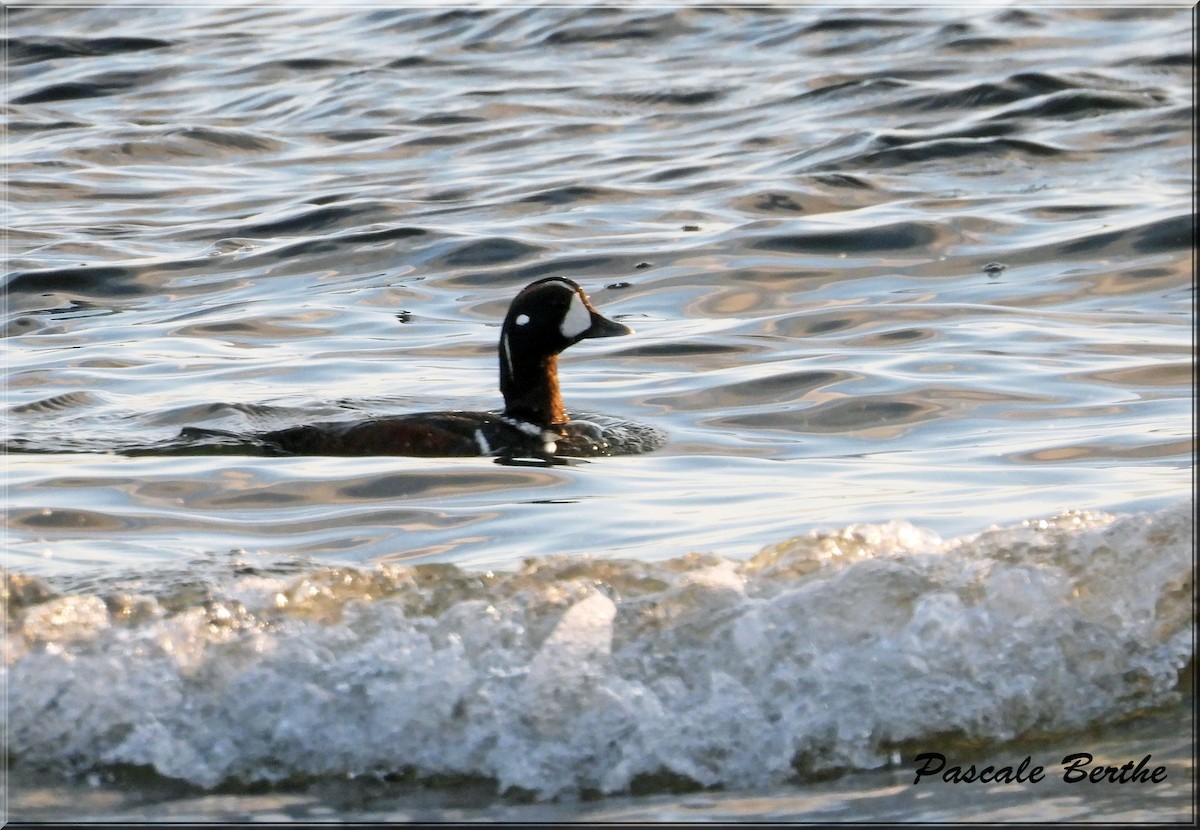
(896, 275)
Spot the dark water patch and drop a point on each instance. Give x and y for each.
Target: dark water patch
(866, 412)
(899, 336)
(307, 248)
(385, 235)
(978, 44)
(174, 146)
(1173, 60)
(898, 236)
(841, 180)
(487, 93)
(600, 35)
(455, 15)
(66, 520)
(681, 350)
(254, 328)
(199, 413)
(852, 24)
(875, 326)
(194, 441)
(36, 318)
(770, 202)
(328, 244)
(56, 403)
(1093, 453)
(852, 88)
(236, 139)
(413, 62)
(854, 46)
(1174, 234)
(1180, 117)
(773, 389)
(330, 198)
(496, 250)
(27, 126)
(102, 280)
(260, 499)
(1162, 236)
(990, 129)
(1021, 17)
(434, 483)
(1160, 375)
(827, 326)
(950, 149)
(350, 136)
(1076, 211)
(1015, 88)
(22, 50)
(570, 194)
(444, 140)
(1084, 103)
(844, 415)
(784, 385)
(304, 221)
(300, 65)
(691, 98)
(677, 173)
(1131, 13)
(439, 119)
(109, 363)
(450, 194)
(1149, 274)
(21, 325)
(590, 32)
(97, 86)
(956, 29)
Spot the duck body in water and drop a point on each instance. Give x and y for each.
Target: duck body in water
(545, 318)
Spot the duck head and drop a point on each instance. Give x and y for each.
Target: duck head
(544, 319)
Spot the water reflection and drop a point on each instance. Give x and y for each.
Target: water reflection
(328, 232)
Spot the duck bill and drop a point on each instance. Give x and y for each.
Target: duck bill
(603, 327)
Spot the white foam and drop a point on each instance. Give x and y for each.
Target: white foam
(823, 651)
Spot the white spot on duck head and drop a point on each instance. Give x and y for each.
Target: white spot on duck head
(522, 320)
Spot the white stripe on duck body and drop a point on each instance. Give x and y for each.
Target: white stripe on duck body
(545, 318)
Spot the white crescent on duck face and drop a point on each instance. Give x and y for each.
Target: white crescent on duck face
(577, 320)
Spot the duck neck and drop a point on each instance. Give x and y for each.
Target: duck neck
(530, 391)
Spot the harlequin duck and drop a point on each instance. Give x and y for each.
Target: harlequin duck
(547, 317)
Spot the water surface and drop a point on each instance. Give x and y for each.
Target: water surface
(897, 276)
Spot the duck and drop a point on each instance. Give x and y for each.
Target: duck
(544, 319)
